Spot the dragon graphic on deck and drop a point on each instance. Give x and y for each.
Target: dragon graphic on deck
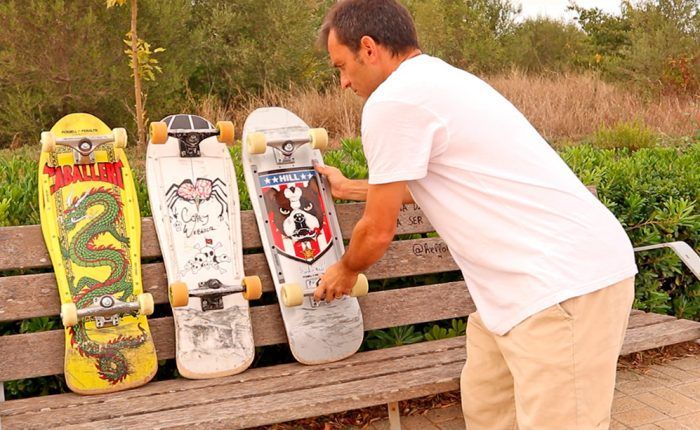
(83, 251)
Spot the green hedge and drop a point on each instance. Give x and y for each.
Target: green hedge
(653, 192)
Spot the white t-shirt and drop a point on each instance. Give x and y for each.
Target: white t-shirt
(524, 230)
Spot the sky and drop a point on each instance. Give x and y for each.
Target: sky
(557, 8)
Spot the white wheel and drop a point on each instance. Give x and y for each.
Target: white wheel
(361, 286)
(319, 138)
(145, 304)
(69, 314)
(179, 294)
(119, 137)
(48, 141)
(292, 295)
(226, 132)
(256, 143)
(159, 132)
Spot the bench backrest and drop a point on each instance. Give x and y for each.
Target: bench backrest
(35, 295)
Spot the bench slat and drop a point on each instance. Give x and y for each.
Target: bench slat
(661, 334)
(29, 296)
(40, 354)
(257, 385)
(641, 319)
(23, 246)
(255, 375)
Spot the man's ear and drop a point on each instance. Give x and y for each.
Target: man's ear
(368, 48)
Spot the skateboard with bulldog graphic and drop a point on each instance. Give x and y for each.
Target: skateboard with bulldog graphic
(92, 228)
(300, 233)
(194, 199)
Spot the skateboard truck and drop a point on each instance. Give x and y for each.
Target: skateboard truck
(83, 147)
(293, 294)
(211, 292)
(189, 139)
(106, 310)
(285, 147)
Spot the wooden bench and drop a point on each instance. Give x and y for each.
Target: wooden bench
(261, 395)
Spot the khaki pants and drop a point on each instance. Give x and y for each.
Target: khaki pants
(555, 370)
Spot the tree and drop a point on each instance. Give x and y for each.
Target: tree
(77, 71)
(545, 45)
(467, 33)
(142, 66)
(250, 44)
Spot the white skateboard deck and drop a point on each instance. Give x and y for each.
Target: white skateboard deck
(194, 200)
(300, 235)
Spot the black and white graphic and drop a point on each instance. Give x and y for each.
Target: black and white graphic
(193, 205)
(207, 258)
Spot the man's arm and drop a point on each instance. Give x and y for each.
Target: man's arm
(370, 239)
(351, 189)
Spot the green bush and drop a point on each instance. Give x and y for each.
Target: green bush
(544, 45)
(654, 192)
(630, 135)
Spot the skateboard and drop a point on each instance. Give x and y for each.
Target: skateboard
(92, 228)
(300, 233)
(194, 198)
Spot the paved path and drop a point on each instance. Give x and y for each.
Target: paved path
(660, 397)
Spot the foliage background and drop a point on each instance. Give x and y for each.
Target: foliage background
(616, 95)
(66, 56)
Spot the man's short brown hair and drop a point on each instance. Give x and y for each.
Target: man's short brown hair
(386, 21)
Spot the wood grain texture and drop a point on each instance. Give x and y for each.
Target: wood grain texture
(280, 393)
(258, 396)
(40, 354)
(254, 375)
(23, 246)
(29, 296)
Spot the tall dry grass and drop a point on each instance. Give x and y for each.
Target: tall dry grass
(567, 107)
(334, 109)
(574, 106)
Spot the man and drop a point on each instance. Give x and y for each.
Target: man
(550, 269)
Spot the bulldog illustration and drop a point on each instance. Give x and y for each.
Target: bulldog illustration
(297, 211)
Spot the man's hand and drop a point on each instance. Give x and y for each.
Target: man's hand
(335, 283)
(336, 179)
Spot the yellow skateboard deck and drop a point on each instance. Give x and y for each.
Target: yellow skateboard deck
(92, 228)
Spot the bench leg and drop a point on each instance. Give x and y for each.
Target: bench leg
(394, 417)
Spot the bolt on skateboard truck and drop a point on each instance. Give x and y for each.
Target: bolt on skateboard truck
(189, 140)
(284, 146)
(107, 309)
(83, 147)
(293, 294)
(212, 291)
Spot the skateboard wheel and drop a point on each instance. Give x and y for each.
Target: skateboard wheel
(119, 137)
(256, 143)
(292, 295)
(145, 304)
(179, 294)
(319, 138)
(159, 132)
(361, 286)
(48, 141)
(69, 314)
(226, 132)
(253, 288)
